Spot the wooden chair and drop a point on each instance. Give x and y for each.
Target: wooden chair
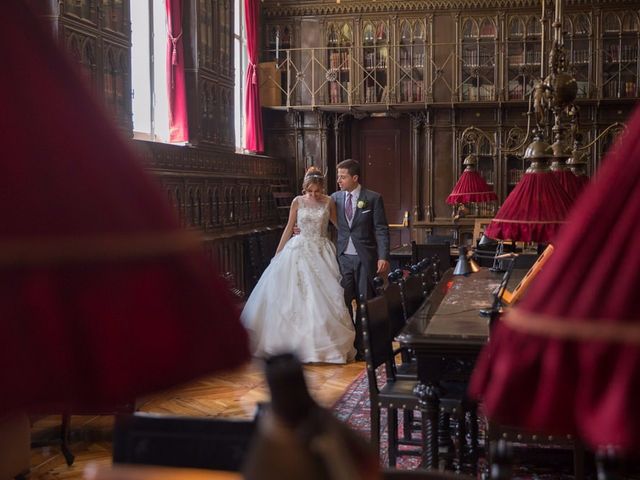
(441, 250)
(282, 199)
(190, 442)
(521, 440)
(421, 474)
(414, 290)
(395, 394)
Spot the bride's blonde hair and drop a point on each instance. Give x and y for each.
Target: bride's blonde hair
(313, 177)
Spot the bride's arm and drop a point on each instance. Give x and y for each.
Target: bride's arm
(288, 230)
(332, 212)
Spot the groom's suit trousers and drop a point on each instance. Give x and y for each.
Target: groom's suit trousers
(356, 283)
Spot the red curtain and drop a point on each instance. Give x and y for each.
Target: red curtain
(253, 115)
(178, 121)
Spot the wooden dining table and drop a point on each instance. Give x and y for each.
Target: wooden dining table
(446, 334)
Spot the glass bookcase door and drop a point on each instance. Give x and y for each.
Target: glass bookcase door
(577, 43)
(411, 62)
(278, 39)
(620, 55)
(523, 56)
(478, 60)
(339, 47)
(375, 56)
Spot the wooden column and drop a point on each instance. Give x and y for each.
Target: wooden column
(417, 166)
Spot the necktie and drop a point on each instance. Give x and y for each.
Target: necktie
(348, 208)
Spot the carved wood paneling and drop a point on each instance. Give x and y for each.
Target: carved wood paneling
(216, 113)
(293, 8)
(164, 157)
(97, 35)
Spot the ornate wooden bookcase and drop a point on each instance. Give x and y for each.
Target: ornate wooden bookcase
(578, 41)
(619, 54)
(478, 59)
(411, 61)
(339, 62)
(450, 65)
(523, 56)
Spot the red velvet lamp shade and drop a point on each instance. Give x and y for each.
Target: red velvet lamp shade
(537, 206)
(567, 359)
(471, 187)
(562, 172)
(104, 297)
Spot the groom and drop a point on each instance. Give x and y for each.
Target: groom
(363, 238)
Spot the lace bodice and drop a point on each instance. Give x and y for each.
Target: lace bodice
(312, 219)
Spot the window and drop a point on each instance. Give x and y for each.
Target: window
(240, 68)
(148, 70)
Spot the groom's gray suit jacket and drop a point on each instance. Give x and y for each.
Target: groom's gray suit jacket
(369, 229)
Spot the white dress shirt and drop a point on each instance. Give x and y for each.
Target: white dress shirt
(351, 249)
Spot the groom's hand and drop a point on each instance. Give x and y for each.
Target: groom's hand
(296, 230)
(383, 266)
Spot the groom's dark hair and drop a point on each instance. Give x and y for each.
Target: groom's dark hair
(350, 164)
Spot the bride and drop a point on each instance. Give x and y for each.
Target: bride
(298, 303)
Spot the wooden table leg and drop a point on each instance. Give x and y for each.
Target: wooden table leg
(429, 408)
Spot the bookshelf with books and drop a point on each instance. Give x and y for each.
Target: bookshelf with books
(620, 37)
(410, 61)
(478, 55)
(375, 61)
(523, 55)
(339, 58)
(577, 42)
(278, 42)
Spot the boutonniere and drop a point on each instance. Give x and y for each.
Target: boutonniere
(361, 204)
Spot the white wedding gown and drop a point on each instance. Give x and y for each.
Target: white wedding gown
(298, 303)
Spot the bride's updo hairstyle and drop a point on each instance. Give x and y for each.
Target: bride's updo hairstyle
(313, 177)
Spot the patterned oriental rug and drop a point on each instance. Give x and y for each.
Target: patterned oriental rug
(353, 409)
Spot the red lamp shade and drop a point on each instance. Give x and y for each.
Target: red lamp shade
(567, 359)
(569, 182)
(103, 296)
(582, 182)
(471, 187)
(533, 211)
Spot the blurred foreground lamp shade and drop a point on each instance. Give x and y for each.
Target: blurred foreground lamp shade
(537, 206)
(567, 359)
(471, 187)
(103, 296)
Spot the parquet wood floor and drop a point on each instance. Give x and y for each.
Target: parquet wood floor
(228, 394)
